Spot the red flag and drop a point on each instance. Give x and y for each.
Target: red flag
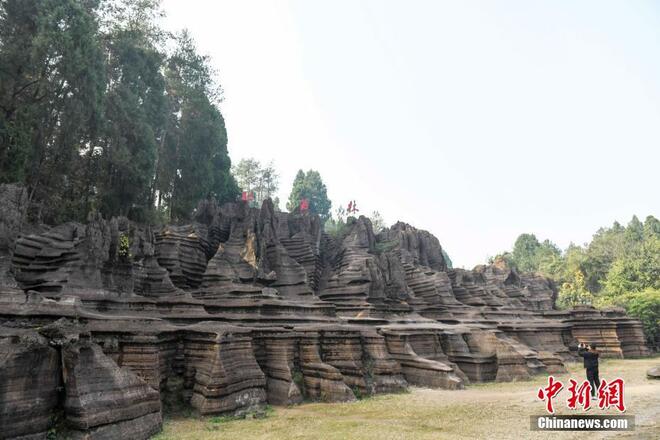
(304, 205)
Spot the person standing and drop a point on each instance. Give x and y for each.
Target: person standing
(590, 355)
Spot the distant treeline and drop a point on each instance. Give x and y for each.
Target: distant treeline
(620, 266)
(102, 110)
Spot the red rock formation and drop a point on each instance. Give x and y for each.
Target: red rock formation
(248, 306)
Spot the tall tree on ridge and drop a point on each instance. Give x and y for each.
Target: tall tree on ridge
(310, 186)
(263, 180)
(193, 162)
(51, 86)
(135, 103)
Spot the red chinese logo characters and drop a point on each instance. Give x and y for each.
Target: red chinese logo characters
(549, 392)
(579, 395)
(610, 394)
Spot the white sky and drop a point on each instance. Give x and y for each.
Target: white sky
(475, 120)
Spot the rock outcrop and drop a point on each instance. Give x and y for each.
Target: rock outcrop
(250, 306)
(29, 379)
(104, 401)
(653, 373)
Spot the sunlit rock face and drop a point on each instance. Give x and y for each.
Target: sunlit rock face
(246, 306)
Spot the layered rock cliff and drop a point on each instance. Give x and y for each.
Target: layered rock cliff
(247, 306)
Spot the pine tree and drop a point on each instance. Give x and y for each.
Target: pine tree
(310, 186)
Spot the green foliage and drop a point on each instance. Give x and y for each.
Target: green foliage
(195, 162)
(336, 226)
(644, 305)
(124, 248)
(574, 292)
(310, 186)
(225, 419)
(637, 270)
(385, 246)
(95, 114)
(251, 175)
(620, 266)
(51, 85)
(357, 392)
(377, 222)
(299, 380)
(524, 252)
(529, 255)
(448, 261)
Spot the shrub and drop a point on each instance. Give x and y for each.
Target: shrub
(124, 251)
(643, 305)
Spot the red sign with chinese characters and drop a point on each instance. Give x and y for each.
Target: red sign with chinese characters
(247, 196)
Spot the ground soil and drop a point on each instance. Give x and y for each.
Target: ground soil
(482, 411)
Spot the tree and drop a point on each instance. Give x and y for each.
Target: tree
(95, 113)
(335, 226)
(651, 227)
(448, 261)
(644, 305)
(575, 292)
(247, 174)
(635, 272)
(524, 252)
(377, 221)
(136, 109)
(193, 160)
(529, 255)
(51, 84)
(264, 181)
(310, 186)
(269, 182)
(620, 266)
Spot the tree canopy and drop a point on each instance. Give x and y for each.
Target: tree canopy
(97, 115)
(620, 266)
(263, 180)
(310, 186)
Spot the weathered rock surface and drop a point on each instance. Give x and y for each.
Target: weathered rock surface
(104, 401)
(250, 306)
(29, 380)
(653, 373)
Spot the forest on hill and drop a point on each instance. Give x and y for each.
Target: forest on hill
(620, 266)
(102, 110)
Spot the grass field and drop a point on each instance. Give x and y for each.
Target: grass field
(482, 411)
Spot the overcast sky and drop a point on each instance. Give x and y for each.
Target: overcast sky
(475, 120)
